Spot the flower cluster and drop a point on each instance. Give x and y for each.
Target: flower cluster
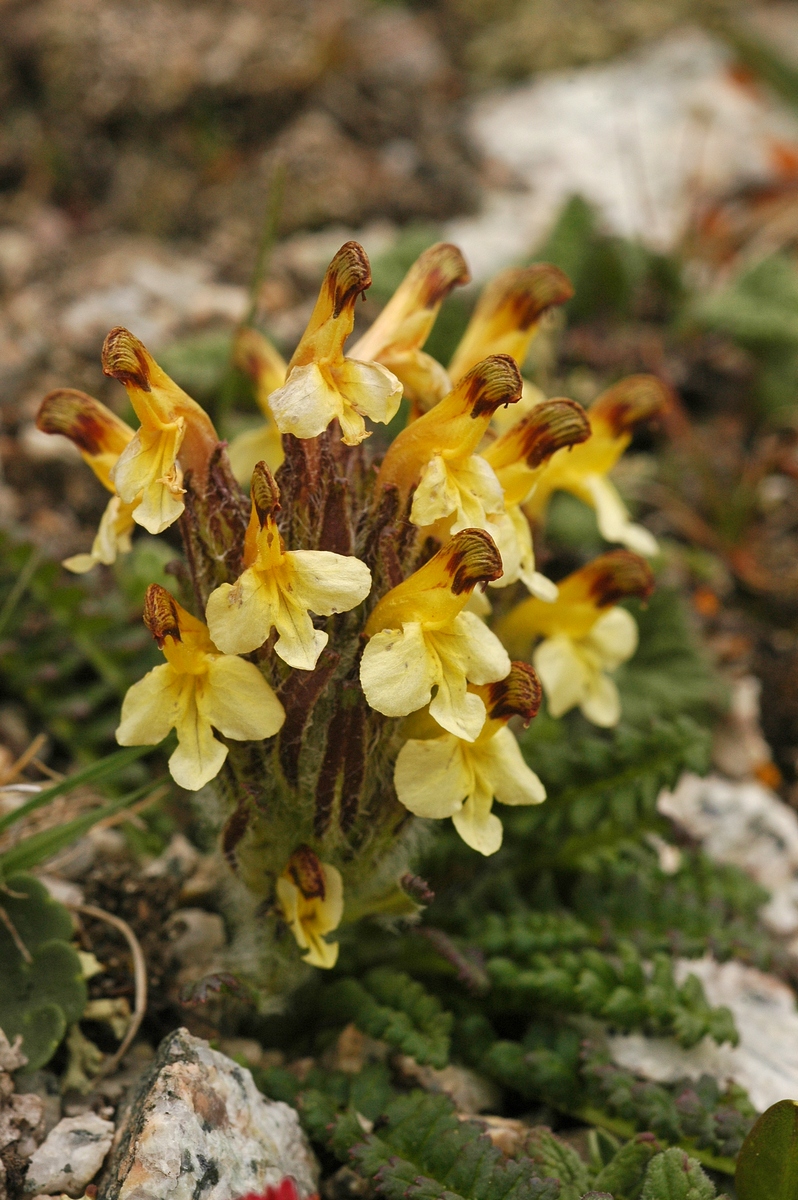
(329, 662)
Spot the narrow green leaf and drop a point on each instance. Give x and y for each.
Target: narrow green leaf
(41, 846)
(767, 1168)
(103, 769)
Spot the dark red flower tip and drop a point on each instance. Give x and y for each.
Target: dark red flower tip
(284, 1190)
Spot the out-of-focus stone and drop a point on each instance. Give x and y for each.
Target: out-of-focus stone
(70, 1156)
(739, 746)
(101, 59)
(506, 1133)
(197, 936)
(197, 1125)
(766, 1061)
(351, 1051)
(749, 826)
(179, 858)
(471, 1093)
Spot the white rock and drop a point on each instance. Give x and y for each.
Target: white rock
(70, 1156)
(766, 1061)
(745, 824)
(198, 1126)
(197, 936)
(636, 137)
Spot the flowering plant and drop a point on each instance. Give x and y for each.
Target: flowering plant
(333, 666)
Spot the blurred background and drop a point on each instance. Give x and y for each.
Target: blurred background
(179, 167)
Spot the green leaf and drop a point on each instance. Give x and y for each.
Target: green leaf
(624, 1174)
(35, 915)
(673, 1175)
(390, 1005)
(768, 1161)
(556, 1158)
(424, 1147)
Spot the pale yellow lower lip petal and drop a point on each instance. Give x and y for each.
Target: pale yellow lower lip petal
(397, 672)
(306, 403)
(479, 828)
(562, 673)
(512, 780)
(150, 708)
(239, 702)
(432, 777)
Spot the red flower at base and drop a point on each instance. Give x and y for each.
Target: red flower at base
(285, 1190)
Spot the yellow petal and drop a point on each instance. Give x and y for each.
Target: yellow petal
(240, 616)
(623, 406)
(148, 469)
(98, 433)
(508, 313)
(150, 708)
(563, 672)
(613, 519)
(369, 388)
(437, 494)
(299, 643)
(331, 908)
(112, 538)
(601, 703)
(479, 828)
(614, 636)
(466, 651)
(424, 381)
(328, 583)
(433, 777)
(199, 756)
(306, 403)
(239, 702)
(253, 446)
(513, 782)
(485, 658)
(398, 671)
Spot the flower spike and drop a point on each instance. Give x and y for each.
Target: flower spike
(396, 337)
(322, 384)
(583, 471)
(100, 436)
(281, 587)
(196, 690)
(147, 473)
(257, 357)
(508, 314)
(311, 896)
(445, 776)
(584, 634)
(420, 639)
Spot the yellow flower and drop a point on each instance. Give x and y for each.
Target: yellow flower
(508, 314)
(197, 688)
(322, 384)
(583, 470)
(518, 459)
(584, 635)
(100, 436)
(420, 639)
(440, 775)
(396, 337)
(147, 474)
(437, 456)
(280, 586)
(256, 356)
(311, 896)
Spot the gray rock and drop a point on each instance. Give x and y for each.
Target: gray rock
(198, 1127)
(70, 1156)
